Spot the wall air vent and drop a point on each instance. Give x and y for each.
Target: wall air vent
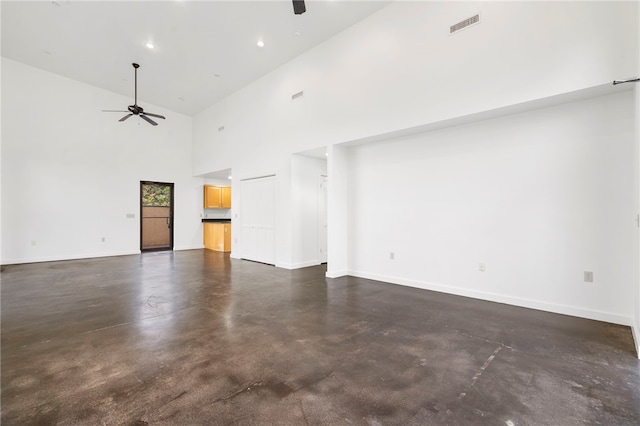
(475, 19)
(297, 95)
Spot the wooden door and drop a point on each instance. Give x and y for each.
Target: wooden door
(156, 216)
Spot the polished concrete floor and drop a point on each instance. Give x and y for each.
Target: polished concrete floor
(196, 338)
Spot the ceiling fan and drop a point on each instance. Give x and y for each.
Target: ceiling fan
(135, 109)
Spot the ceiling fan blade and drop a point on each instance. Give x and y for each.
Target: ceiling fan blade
(113, 110)
(154, 115)
(125, 117)
(148, 120)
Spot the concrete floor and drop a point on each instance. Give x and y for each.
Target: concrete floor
(194, 338)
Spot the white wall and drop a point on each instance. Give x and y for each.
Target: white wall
(539, 197)
(636, 328)
(400, 68)
(71, 173)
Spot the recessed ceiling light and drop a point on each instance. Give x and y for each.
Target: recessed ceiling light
(150, 45)
(260, 43)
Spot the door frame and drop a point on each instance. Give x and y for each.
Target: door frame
(323, 218)
(171, 205)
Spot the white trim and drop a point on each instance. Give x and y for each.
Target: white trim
(182, 248)
(500, 298)
(336, 274)
(298, 265)
(60, 258)
(636, 338)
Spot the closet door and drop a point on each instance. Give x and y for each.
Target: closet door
(258, 219)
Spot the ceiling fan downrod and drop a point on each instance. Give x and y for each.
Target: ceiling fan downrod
(135, 90)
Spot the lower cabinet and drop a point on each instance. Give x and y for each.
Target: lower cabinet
(217, 236)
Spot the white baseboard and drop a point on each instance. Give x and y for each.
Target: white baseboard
(59, 258)
(181, 248)
(501, 298)
(336, 274)
(299, 265)
(635, 330)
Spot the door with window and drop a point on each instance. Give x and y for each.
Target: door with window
(156, 216)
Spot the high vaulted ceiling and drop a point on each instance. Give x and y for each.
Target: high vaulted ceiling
(204, 50)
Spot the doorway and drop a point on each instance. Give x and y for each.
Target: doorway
(322, 220)
(156, 216)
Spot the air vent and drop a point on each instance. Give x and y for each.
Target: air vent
(475, 19)
(297, 95)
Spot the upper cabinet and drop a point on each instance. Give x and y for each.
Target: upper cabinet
(217, 197)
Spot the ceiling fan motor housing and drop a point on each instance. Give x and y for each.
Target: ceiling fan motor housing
(135, 109)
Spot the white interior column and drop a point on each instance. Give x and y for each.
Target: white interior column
(337, 211)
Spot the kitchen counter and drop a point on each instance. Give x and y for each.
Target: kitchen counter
(209, 220)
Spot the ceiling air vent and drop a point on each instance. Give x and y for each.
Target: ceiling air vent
(475, 19)
(297, 95)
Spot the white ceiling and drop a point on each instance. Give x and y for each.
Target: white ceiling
(205, 50)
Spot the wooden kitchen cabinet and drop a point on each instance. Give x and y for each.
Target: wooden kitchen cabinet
(217, 197)
(225, 197)
(217, 236)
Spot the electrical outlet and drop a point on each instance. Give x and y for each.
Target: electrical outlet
(482, 267)
(588, 276)
(392, 255)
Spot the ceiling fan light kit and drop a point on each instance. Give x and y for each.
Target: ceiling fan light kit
(135, 109)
